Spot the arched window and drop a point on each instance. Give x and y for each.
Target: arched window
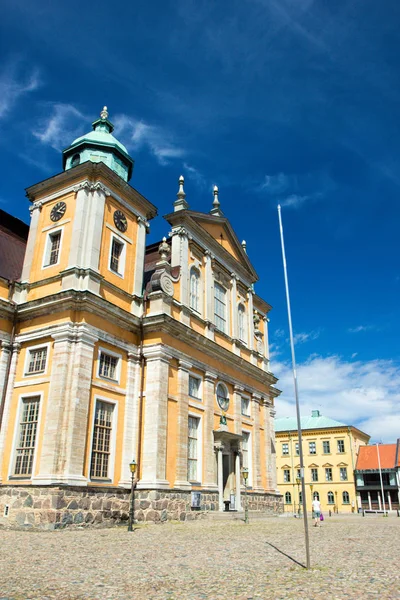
(242, 330)
(346, 498)
(75, 160)
(222, 397)
(194, 299)
(316, 496)
(288, 498)
(331, 498)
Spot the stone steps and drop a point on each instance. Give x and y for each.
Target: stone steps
(236, 515)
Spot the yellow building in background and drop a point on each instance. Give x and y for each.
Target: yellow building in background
(330, 451)
(113, 351)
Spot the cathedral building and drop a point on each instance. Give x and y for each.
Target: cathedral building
(113, 351)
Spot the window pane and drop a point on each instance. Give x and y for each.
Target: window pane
(194, 289)
(242, 323)
(194, 387)
(285, 448)
(101, 440)
(245, 449)
(220, 307)
(27, 436)
(37, 360)
(340, 445)
(312, 447)
(108, 366)
(326, 447)
(193, 425)
(116, 251)
(245, 407)
(55, 239)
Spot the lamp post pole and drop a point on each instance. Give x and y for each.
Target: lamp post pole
(132, 466)
(336, 502)
(245, 474)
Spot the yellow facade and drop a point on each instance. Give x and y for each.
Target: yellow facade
(113, 351)
(329, 455)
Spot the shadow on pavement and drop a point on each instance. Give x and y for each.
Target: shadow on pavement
(287, 555)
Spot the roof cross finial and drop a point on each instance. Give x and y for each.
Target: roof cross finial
(104, 113)
(180, 202)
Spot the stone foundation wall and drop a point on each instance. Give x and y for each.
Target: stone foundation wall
(44, 507)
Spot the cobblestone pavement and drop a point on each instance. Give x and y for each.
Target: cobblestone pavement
(351, 557)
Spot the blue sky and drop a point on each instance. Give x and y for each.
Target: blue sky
(290, 101)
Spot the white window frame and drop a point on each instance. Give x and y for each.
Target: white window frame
(118, 367)
(348, 496)
(122, 256)
(226, 304)
(313, 471)
(242, 323)
(249, 456)
(286, 444)
(200, 397)
(337, 446)
(315, 448)
(328, 470)
(198, 308)
(248, 400)
(113, 441)
(340, 474)
(47, 248)
(329, 446)
(288, 495)
(199, 446)
(29, 349)
(286, 475)
(330, 497)
(11, 467)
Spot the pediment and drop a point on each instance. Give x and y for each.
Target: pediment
(313, 466)
(342, 464)
(326, 465)
(285, 467)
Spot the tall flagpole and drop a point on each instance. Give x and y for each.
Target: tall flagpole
(296, 393)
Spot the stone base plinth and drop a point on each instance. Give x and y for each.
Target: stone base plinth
(56, 507)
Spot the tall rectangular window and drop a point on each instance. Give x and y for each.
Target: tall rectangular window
(314, 474)
(242, 323)
(108, 366)
(245, 407)
(286, 475)
(245, 450)
(220, 307)
(340, 446)
(312, 447)
(37, 360)
(194, 387)
(116, 252)
(194, 299)
(326, 447)
(343, 473)
(328, 474)
(27, 436)
(297, 449)
(101, 445)
(285, 448)
(193, 450)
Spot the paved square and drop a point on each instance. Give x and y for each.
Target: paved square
(352, 557)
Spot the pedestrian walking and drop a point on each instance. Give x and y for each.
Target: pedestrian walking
(316, 506)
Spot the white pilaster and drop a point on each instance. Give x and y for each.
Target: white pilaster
(32, 238)
(238, 480)
(181, 480)
(268, 448)
(7, 406)
(220, 479)
(5, 355)
(274, 483)
(208, 431)
(155, 419)
(234, 305)
(139, 258)
(131, 418)
(82, 205)
(257, 484)
(237, 409)
(209, 290)
(250, 318)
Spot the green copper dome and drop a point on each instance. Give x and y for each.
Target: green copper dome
(100, 145)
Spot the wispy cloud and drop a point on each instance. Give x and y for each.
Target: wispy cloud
(138, 134)
(302, 337)
(360, 328)
(364, 394)
(293, 190)
(196, 175)
(14, 85)
(296, 200)
(64, 123)
(275, 184)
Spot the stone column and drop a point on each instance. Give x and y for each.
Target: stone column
(7, 408)
(238, 481)
(250, 318)
(181, 480)
(237, 409)
(268, 447)
(153, 473)
(82, 202)
(389, 499)
(369, 500)
(209, 292)
(5, 355)
(257, 483)
(379, 500)
(220, 479)
(131, 418)
(32, 238)
(274, 484)
(208, 431)
(139, 258)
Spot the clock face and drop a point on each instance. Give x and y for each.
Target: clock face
(58, 211)
(120, 220)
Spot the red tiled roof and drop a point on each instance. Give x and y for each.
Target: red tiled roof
(368, 457)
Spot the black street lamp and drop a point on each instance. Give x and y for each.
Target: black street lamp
(132, 466)
(245, 474)
(298, 480)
